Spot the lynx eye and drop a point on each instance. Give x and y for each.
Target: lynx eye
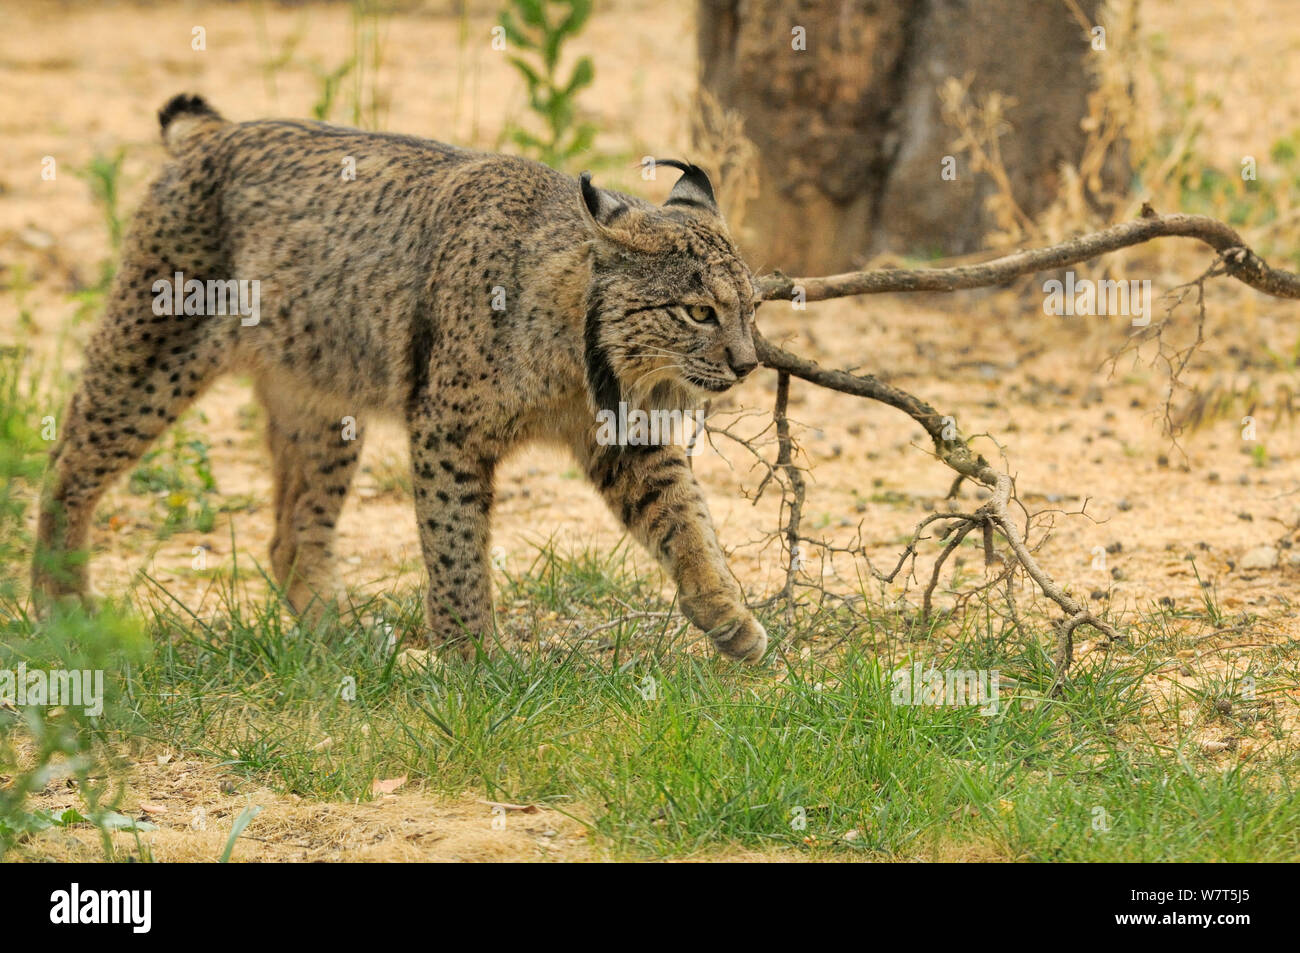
(701, 314)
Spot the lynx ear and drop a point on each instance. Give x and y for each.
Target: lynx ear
(693, 189)
(601, 208)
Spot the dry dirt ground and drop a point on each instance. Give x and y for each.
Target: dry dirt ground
(83, 78)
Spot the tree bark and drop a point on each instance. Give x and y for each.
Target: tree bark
(849, 130)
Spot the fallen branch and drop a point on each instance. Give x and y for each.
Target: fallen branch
(993, 517)
(1240, 262)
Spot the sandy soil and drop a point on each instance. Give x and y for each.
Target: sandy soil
(83, 78)
(194, 806)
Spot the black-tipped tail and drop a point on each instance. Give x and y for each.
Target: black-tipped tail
(184, 105)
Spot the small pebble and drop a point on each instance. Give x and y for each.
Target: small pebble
(1261, 557)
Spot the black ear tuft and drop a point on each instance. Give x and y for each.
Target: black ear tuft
(603, 206)
(693, 188)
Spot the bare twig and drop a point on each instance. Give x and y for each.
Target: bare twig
(993, 517)
(794, 505)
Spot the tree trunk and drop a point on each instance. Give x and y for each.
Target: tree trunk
(849, 130)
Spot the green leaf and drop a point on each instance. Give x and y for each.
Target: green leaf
(525, 140)
(551, 50)
(243, 820)
(582, 139)
(514, 34)
(113, 821)
(69, 817)
(583, 73)
(531, 11)
(529, 74)
(579, 11)
(33, 822)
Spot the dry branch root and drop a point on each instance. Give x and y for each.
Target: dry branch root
(993, 518)
(793, 504)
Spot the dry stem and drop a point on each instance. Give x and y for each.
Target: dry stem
(993, 517)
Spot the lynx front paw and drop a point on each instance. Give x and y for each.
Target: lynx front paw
(743, 639)
(444, 638)
(315, 600)
(415, 661)
(461, 645)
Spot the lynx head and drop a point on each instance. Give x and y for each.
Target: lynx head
(670, 307)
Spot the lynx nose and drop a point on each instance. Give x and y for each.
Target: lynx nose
(742, 366)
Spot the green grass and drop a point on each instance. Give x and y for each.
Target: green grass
(41, 745)
(718, 756)
(658, 750)
(103, 175)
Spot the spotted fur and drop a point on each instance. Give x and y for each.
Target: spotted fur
(377, 298)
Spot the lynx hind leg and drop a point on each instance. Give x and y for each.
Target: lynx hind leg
(142, 370)
(313, 458)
